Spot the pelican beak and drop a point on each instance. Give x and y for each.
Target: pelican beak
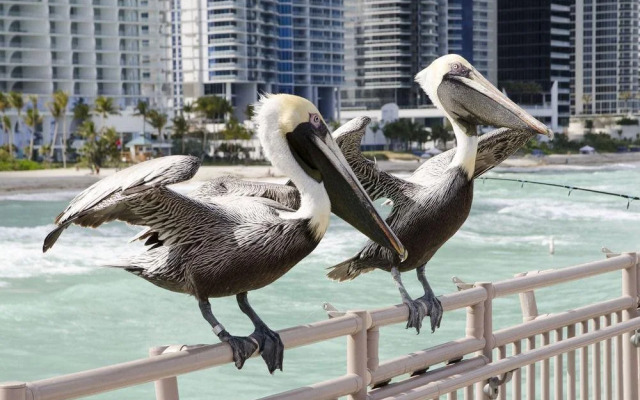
(472, 98)
(321, 158)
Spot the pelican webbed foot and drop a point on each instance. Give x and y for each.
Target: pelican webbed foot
(417, 310)
(241, 346)
(433, 308)
(271, 347)
(433, 305)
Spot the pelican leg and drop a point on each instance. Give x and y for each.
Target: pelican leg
(242, 347)
(433, 304)
(271, 347)
(416, 309)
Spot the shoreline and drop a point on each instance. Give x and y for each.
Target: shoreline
(70, 179)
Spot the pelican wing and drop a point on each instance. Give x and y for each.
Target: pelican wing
(106, 200)
(377, 183)
(493, 148)
(230, 186)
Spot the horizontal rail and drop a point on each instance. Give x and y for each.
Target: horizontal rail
(445, 386)
(428, 377)
(189, 359)
(553, 277)
(560, 320)
(452, 301)
(361, 328)
(329, 389)
(421, 359)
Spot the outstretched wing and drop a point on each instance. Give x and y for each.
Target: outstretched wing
(493, 148)
(377, 183)
(230, 186)
(106, 200)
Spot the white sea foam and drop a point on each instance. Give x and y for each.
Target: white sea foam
(41, 196)
(77, 251)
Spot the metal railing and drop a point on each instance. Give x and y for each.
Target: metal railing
(477, 366)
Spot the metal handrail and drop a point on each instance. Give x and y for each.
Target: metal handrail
(361, 329)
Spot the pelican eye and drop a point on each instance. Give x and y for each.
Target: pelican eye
(315, 120)
(458, 69)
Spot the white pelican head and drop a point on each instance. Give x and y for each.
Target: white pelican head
(297, 141)
(468, 99)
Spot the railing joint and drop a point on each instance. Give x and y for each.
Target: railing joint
(492, 388)
(635, 338)
(332, 312)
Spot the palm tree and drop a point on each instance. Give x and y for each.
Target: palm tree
(586, 99)
(625, 97)
(56, 112)
(142, 109)
(158, 121)
(62, 100)
(4, 104)
(81, 112)
(32, 119)
(6, 126)
(16, 101)
(213, 109)
(180, 129)
(104, 106)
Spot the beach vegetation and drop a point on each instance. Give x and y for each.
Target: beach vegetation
(99, 147)
(211, 110)
(627, 121)
(9, 163)
(405, 132)
(32, 119)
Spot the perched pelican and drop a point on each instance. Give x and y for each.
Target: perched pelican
(214, 246)
(430, 206)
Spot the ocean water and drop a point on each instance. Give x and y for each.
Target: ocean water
(61, 313)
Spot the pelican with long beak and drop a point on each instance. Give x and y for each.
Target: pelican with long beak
(431, 205)
(231, 244)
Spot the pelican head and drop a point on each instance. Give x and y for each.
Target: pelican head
(469, 99)
(298, 142)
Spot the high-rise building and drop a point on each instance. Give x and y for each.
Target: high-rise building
(472, 32)
(237, 49)
(605, 65)
(389, 42)
(534, 51)
(87, 48)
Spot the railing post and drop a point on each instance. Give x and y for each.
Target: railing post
(630, 355)
(357, 354)
(485, 320)
(167, 388)
(528, 303)
(373, 343)
(13, 391)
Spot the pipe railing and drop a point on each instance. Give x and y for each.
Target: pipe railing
(476, 375)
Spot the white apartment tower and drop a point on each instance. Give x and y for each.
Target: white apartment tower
(87, 48)
(238, 49)
(605, 60)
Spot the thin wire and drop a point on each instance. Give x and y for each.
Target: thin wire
(571, 188)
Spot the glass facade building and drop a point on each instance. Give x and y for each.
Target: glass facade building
(534, 50)
(389, 42)
(605, 62)
(238, 49)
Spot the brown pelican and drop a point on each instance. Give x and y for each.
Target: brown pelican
(430, 206)
(214, 246)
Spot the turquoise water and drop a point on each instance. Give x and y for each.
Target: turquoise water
(60, 313)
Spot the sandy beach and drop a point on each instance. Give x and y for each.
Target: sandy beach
(72, 179)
